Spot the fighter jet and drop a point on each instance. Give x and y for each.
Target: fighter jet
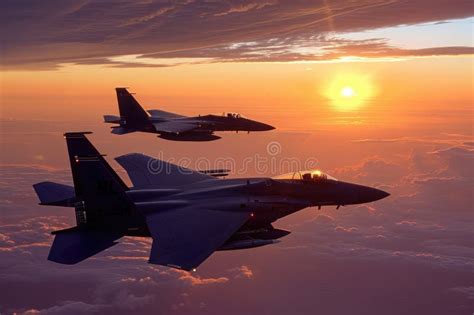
(189, 214)
(171, 126)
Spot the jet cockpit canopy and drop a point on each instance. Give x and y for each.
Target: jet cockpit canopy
(308, 175)
(232, 115)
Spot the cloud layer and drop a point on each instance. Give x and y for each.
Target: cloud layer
(44, 34)
(409, 253)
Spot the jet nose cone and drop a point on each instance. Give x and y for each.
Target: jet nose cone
(253, 125)
(264, 127)
(268, 127)
(372, 194)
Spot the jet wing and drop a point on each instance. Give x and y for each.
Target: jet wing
(118, 130)
(74, 245)
(175, 126)
(54, 194)
(145, 171)
(162, 114)
(183, 238)
(112, 119)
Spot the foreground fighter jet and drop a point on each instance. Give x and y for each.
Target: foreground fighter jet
(188, 214)
(175, 127)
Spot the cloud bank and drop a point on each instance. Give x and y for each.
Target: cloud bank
(409, 253)
(48, 33)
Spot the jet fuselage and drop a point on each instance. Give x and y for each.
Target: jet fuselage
(176, 127)
(267, 199)
(188, 213)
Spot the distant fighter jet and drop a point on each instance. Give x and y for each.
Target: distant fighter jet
(175, 127)
(188, 214)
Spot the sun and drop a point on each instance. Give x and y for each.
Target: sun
(349, 91)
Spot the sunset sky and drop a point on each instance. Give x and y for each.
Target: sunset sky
(378, 92)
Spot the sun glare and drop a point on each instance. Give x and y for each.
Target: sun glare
(349, 91)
